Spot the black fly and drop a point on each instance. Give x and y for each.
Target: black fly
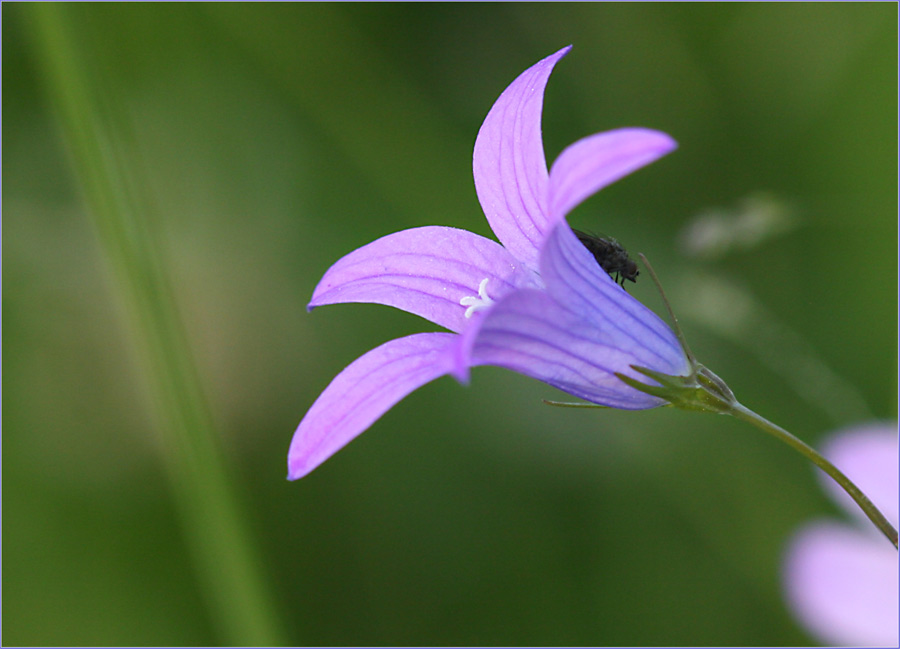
(611, 256)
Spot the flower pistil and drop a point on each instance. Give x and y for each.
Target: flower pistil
(482, 301)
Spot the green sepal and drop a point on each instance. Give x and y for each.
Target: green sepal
(700, 390)
(574, 404)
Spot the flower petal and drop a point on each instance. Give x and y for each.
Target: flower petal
(362, 392)
(530, 333)
(867, 454)
(575, 335)
(426, 271)
(509, 166)
(842, 582)
(592, 163)
(578, 283)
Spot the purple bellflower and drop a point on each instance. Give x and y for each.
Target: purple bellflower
(840, 578)
(539, 304)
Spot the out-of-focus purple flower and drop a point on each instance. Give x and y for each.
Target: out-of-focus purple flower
(539, 304)
(841, 579)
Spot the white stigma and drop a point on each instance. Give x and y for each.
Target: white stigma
(477, 303)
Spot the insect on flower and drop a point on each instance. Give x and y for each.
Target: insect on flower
(611, 256)
(534, 301)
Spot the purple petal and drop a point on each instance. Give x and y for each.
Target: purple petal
(509, 165)
(868, 456)
(842, 583)
(362, 392)
(426, 271)
(580, 285)
(594, 162)
(577, 334)
(530, 333)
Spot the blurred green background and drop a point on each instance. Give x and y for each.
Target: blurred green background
(264, 141)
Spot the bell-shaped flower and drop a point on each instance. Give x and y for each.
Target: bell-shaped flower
(539, 304)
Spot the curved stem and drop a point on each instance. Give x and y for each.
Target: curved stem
(882, 523)
(705, 391)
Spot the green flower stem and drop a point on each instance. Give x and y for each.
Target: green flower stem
(231, 576)
(702, 390)
(745, 414)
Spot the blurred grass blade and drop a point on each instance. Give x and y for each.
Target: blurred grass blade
(225, 558)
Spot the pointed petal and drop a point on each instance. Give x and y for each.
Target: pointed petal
(426, 271)
(362, 392)
(575, 335)
(592, 163)
(509, 165)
